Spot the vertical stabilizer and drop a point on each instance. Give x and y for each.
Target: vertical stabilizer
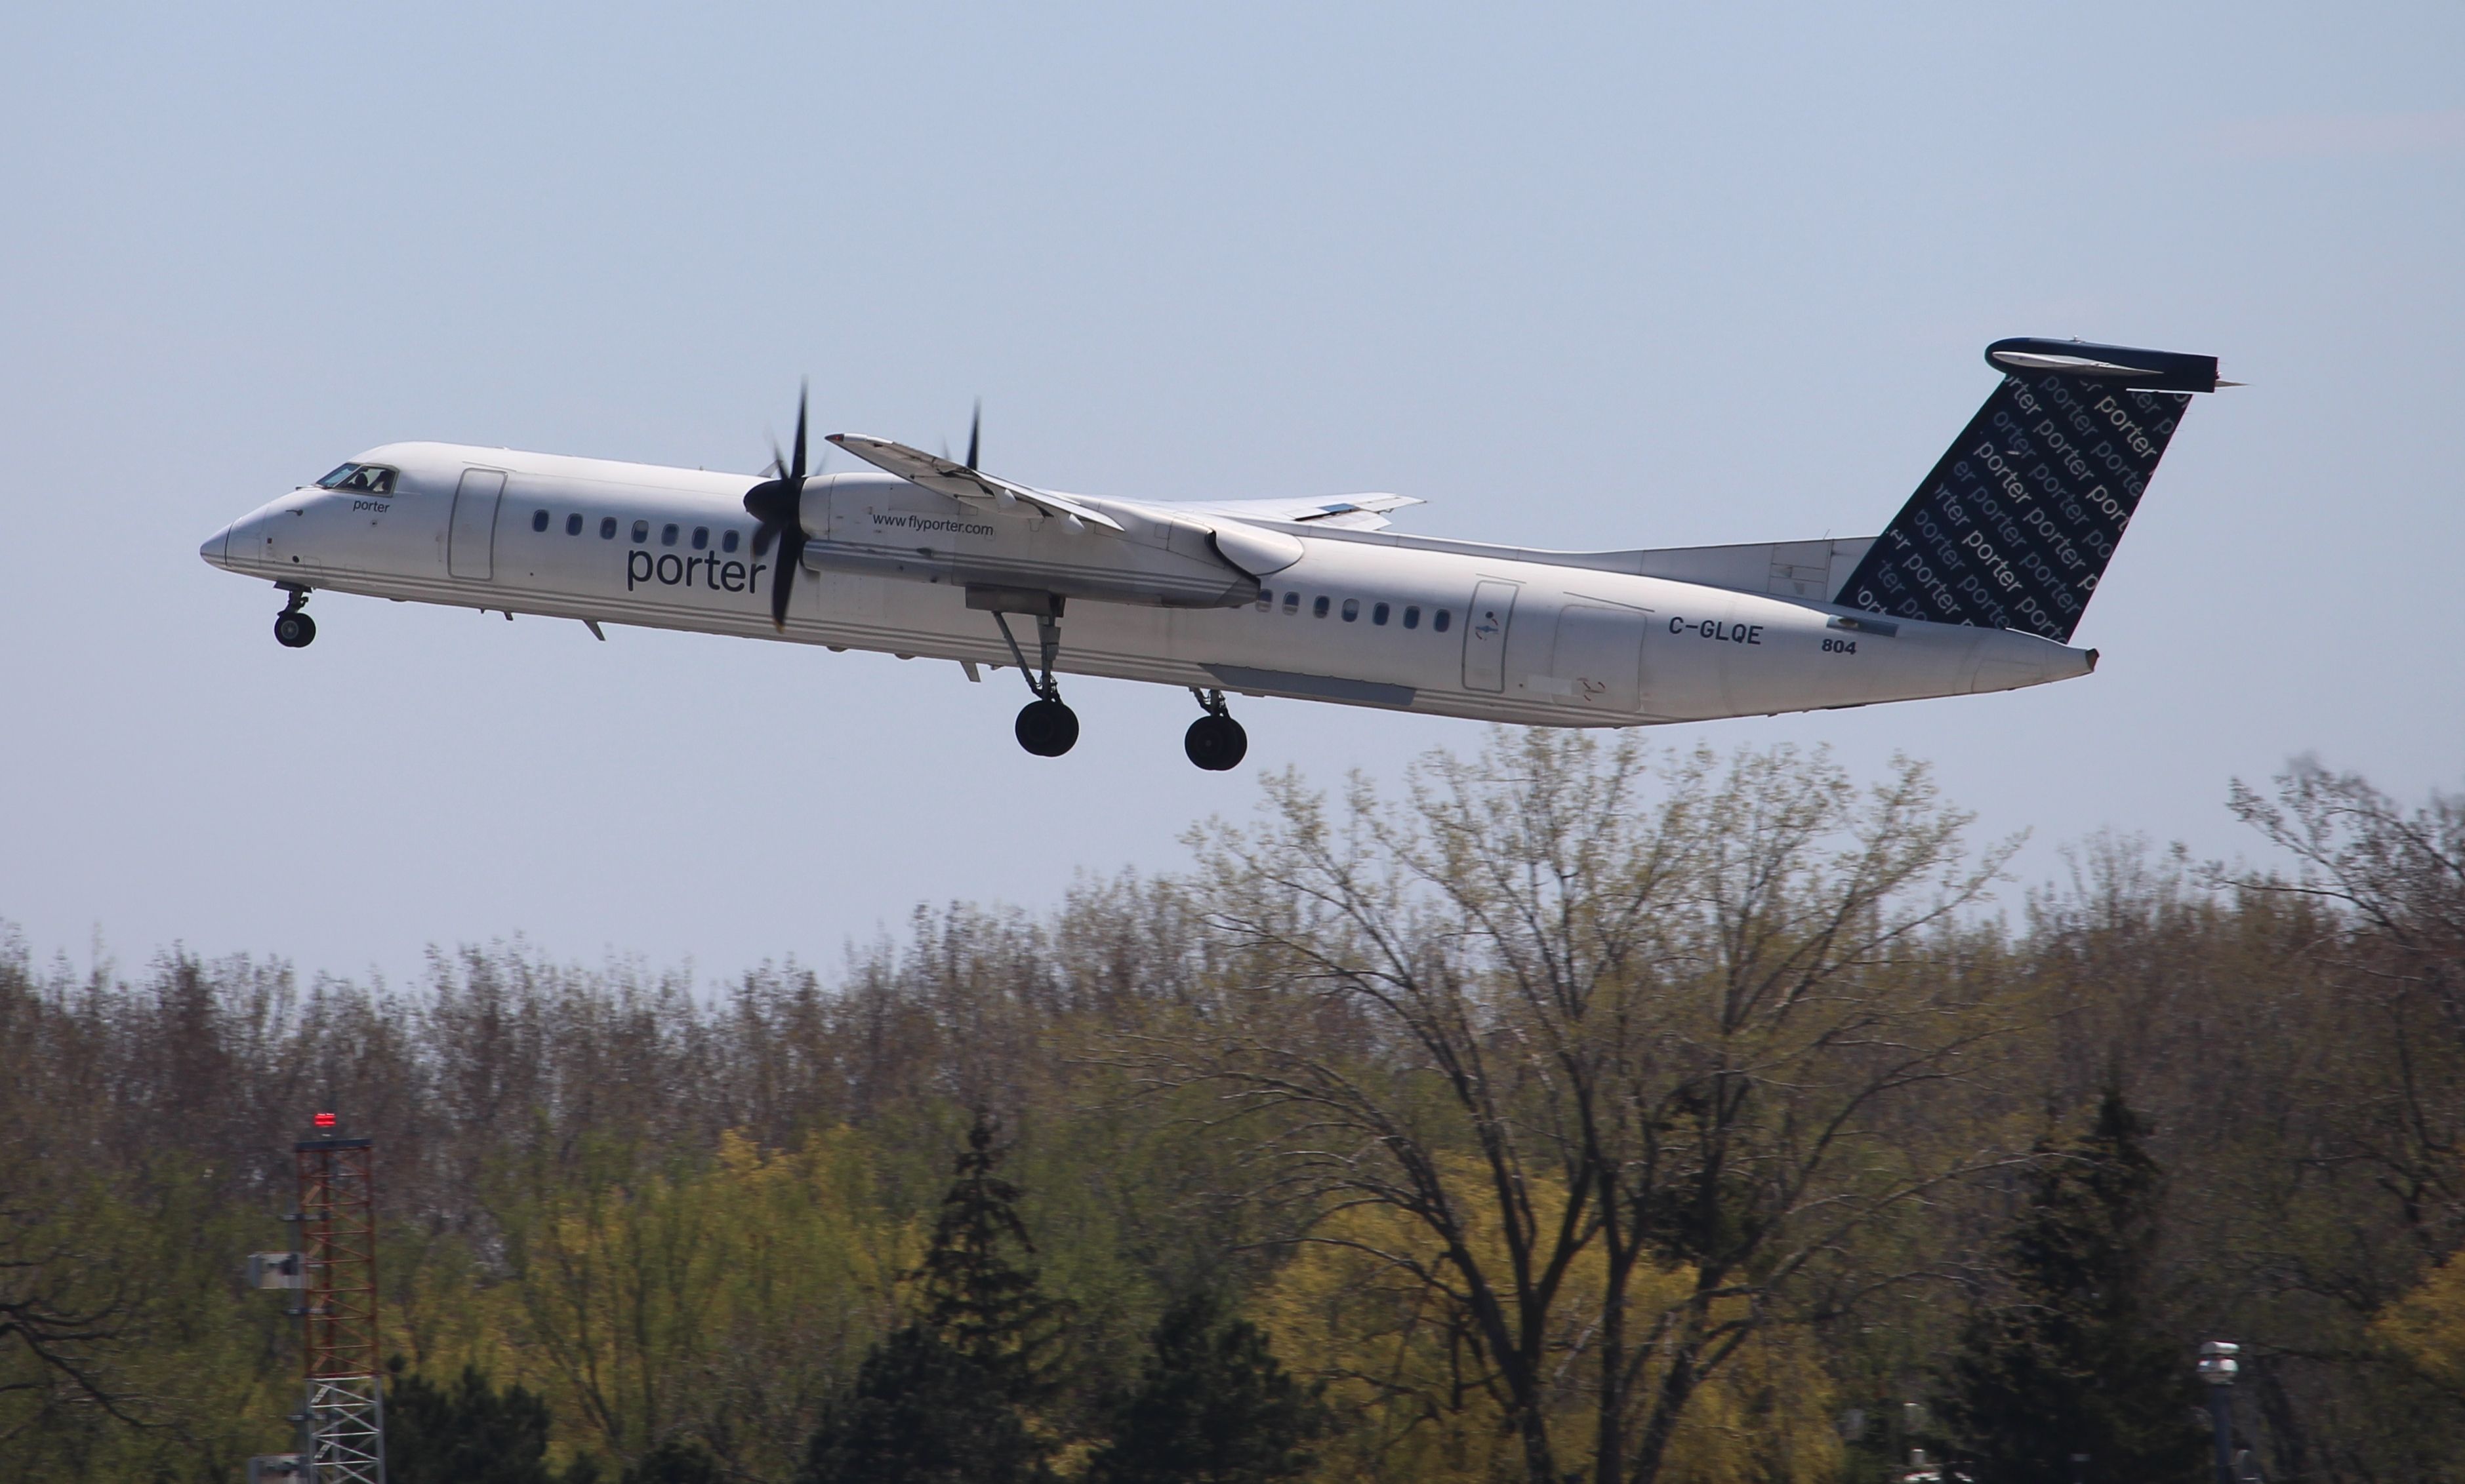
(2017, 524)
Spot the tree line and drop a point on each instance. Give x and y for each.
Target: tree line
(1570, 1111)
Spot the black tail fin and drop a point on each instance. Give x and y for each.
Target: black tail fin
(2015, 525)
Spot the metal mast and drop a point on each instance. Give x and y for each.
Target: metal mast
(338, 1251)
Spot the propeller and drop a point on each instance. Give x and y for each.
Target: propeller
(975, 428)
(777, 504)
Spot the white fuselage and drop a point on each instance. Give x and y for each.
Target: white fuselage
(1558, 639)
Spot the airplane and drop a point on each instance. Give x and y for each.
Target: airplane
(1976, 586)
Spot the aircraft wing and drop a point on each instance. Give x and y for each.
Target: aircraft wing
(944, 477)
(1344, 512)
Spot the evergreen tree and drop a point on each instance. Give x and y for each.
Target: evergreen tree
(981, 1302)
(2073, 1366)
(924, 1413)
(947, 1399)
(1212, 1406)
(467, 1433)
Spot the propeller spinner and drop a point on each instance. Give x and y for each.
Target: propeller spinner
(777, 504)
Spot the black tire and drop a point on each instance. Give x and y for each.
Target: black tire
(1216, 743)
(1047, 728)
(294, 630)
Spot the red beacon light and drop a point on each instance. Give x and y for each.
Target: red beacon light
(323, 1120)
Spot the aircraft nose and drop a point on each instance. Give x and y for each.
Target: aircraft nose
(216, 549)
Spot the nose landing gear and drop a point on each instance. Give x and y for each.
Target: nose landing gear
(1215, 741)
(293, 629)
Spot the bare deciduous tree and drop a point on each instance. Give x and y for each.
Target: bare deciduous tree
(1574, 1027)
(63, 1318)
(2396, 880)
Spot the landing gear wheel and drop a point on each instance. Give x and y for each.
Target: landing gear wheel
(294, 630)
(1047, 728)
(1216, 743)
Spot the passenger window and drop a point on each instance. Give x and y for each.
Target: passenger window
(606, 527)
(1440, 619)
(1266, 600)
(641, 532)
(668, 534)
(539, 520)
(573, 523)
(701, 538)
(1318, 609)
(1292, 603)
(1412, 616)
(1378, 614)
(727, 540)
(1351, 610)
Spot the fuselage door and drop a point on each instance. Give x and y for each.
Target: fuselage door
(1493, 605)
(470, 543)
(1599, 653)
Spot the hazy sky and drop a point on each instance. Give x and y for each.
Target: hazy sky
(1603, 277)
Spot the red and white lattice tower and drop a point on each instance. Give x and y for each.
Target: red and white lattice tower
(338, 1251)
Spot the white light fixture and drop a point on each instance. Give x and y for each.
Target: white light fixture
(2217, 1364)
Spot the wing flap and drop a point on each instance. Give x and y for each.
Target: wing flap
(1340, 512)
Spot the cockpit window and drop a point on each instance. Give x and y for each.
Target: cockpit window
(362, 478)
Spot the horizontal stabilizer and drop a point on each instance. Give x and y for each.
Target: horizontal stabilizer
(2118, 365)
(2016, 525)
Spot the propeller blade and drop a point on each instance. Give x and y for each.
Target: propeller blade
(796, 471)
(975, 426)
(783, 581)
(777, 506)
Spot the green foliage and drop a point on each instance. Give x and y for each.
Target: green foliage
(682, 1217)
(975, 1298)
(2075, 1362)
(924, 1412)
(720, 1300)
(463, 1432)
(950, 1396)
(675, 1461)
(1213, 1406)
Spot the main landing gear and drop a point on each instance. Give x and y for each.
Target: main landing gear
(1045, 726)
(293, 629)
(1215, 741)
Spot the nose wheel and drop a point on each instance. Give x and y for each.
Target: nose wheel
(1215, 741)
(293, 629)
